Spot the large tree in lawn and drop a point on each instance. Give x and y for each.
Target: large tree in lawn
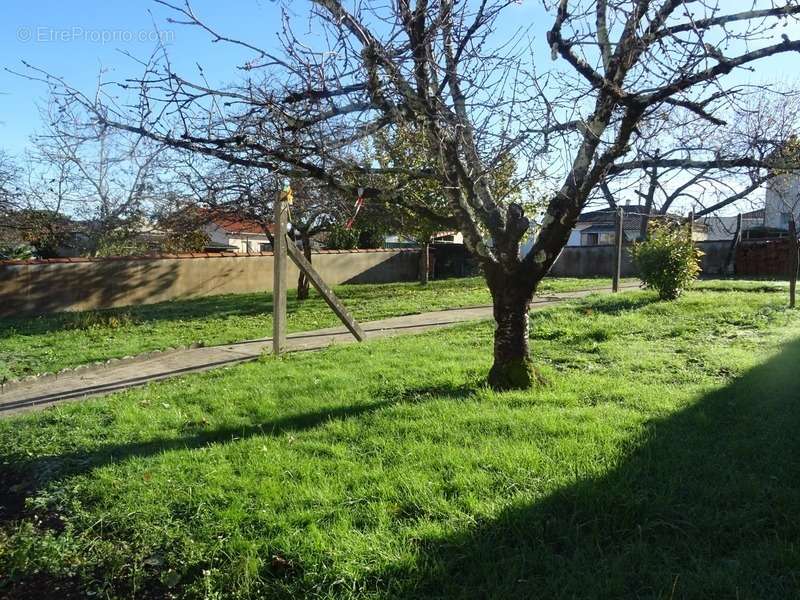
(479, 92)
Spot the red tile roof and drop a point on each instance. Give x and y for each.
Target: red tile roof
(233, 223)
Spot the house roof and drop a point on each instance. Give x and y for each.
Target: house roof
(754, 214)
(606, 215)
(604, 219)
(233, 223)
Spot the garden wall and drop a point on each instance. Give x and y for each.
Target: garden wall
(68, 284)
(591, 261)
(763, 258)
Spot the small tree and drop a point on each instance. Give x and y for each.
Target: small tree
(667, 260)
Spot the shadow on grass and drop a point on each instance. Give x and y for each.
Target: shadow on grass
(174, 310)
(705, 507)
(618, 303)
(21, 476)
(762, 288)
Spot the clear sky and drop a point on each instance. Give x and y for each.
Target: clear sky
(75, 39)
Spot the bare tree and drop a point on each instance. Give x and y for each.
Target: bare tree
(108, 179)
(756, 126)
(206, 189)
(478, 95)
(9, 183)
(315, 210)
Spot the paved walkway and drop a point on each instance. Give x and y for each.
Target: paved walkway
(118, 375)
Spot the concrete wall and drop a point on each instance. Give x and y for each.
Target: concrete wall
(589, 261)
(38, 287)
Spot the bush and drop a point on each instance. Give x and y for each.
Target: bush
(667, 260)
(340, 238)
(17, 252)
(99, 320)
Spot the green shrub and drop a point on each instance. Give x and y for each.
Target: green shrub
(667, 260)
(17, 252)
(99, 320)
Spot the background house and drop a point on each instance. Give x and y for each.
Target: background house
(234, 233)
(724, 228)
(395, 240)
(597, 228)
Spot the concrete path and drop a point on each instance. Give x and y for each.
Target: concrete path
(122, 374)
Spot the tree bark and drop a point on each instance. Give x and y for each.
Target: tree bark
(512, 367)
(424, 262)
(302, 280)
(794, 258)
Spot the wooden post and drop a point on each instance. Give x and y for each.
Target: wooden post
(424, 262)
(794, 259)
(279, 272)
(619, 220)
(690, 224)
(737, 239)
(324, 291)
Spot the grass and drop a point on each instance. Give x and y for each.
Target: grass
(53, 342)
(660, 461)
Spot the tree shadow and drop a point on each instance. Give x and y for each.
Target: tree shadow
(705, 507)
(616, 304)
(21, 476)
(30, 290)
(228, 305)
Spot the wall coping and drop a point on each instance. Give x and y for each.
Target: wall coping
(187, 255)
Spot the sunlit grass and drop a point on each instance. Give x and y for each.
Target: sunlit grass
(660, 460)
(52, 342)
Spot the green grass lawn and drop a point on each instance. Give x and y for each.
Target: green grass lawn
(50, 343)
(661, 460)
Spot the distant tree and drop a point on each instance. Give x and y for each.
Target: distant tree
(316, 209)
(107, 180)
(399, 150)
(9, 184)
(249, 193)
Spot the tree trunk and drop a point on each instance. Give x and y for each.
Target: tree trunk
(302, 280)
(513, 367)
(794, 258)
(424, 262)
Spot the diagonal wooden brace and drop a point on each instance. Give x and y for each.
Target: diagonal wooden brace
(324, 290)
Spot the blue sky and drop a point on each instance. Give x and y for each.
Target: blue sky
(76, 38)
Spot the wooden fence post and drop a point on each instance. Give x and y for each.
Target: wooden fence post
(794, 259)
(325, 291)
(728, 267)
(279, 272)
(619, 220)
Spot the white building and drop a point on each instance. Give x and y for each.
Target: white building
(782, 199)
(724, 228)
(230, 232)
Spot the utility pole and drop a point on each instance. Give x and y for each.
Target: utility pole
(619, 219)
